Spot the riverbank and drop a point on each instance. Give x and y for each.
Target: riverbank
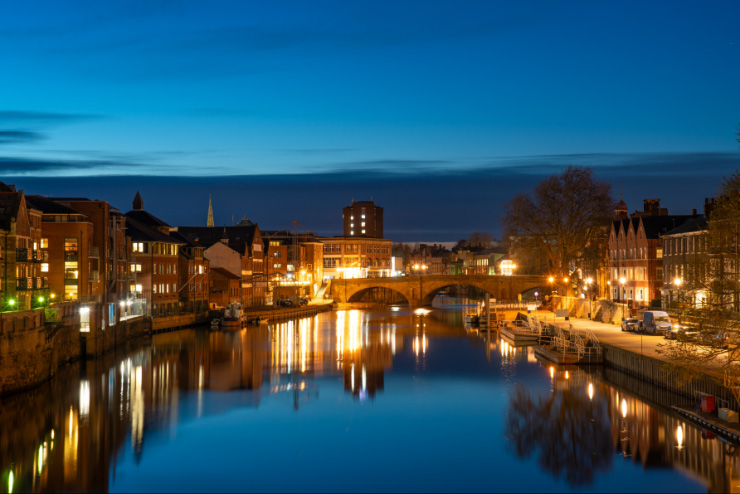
(34, 349)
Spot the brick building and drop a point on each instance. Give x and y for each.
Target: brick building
(154, 261)
(635, 251)
(243, 256)
(363, 219)
(20, 254)
(356, 257)
(69, 259)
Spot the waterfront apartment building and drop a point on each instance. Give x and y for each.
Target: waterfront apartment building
(238, 249)
(294, 263)
(354, 257)
(635, 251)
(194, 275)
(20, 255)
(69, 259)
(110, 248)
(155, 261)
(363, 219)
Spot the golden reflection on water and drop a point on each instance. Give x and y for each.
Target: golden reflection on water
(73, 439)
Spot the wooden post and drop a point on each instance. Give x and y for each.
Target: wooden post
(488, 311)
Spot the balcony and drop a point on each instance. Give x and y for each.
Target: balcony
(94, 276)
(21, 255)
(70, 257)
(94, 253)
(22, 284)
(40, 256)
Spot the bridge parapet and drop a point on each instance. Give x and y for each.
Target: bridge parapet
(421, 290)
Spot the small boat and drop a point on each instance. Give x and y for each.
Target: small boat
(259, 320)
(232, 316)
(215, 323)
(472, 319)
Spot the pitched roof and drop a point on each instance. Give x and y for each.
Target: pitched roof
(142, 233)
(225, 273)
(10, 203)
(146, 218)
(693, 225)
(239, 237)
(49, 206)
(655, 226)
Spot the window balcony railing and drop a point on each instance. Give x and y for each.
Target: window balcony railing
(94, 252)
(21, 255)
(94, 276)
(23, 284)
(70, 257)
(40, 256)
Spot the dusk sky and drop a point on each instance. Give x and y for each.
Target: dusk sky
(439, 111)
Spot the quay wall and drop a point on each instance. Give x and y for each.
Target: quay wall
(664, 376)
(33, 349)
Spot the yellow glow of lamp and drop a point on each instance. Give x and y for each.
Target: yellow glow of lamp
(565, 279)
(677, 281)
(41, 300)
(11, 302)
(551, 279)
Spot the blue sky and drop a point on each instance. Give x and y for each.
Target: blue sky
(371, 92)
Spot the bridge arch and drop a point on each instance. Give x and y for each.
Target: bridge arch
(420, 290)
(359, 294)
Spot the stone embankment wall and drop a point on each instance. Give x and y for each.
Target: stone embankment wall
(33, 349)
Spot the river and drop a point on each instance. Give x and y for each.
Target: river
(386, 400)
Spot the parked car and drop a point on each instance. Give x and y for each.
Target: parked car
(682, 333)
(716, 339)
(630, 324)
(303, 301)
(285, 303)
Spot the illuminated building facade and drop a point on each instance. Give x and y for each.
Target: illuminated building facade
(636, 253)
(353, 257)
(363, 219)
(20, 241)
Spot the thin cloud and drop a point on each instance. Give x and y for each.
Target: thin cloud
(29, 166)
(19, 136)
(20, 115)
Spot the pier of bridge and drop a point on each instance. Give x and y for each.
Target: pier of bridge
(421, 290)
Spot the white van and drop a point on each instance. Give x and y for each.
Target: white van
(656, 322)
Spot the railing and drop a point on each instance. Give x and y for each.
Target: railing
(21, 255)
(40, 256)
(23, 284)
(94, 276)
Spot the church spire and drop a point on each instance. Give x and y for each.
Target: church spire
(138, 202)
(210, 212)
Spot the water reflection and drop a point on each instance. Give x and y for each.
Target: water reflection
(71, 433)
(566, 430)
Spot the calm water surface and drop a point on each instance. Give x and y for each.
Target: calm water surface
(396, 400)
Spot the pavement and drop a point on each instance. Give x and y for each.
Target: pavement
(642, 344)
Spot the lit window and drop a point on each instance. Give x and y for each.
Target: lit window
(363, 216)
(45, 267)
(44, 243)
(351, 232)
(363, 224)
(363, 232)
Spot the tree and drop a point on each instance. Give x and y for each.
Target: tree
(711, 296)
(564, 216)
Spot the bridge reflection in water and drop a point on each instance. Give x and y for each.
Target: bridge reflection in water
(69, 433)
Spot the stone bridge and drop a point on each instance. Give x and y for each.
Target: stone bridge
(421, 290)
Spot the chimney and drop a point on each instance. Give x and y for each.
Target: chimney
(708, 205)
(651, 206)
(693, 212)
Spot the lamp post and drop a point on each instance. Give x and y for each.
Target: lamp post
(678, 282)
(551, 280)
(622, 281)
(588, 290)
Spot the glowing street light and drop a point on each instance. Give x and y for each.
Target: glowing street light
(551, 280)
(588, 289)
(678, 282)
(622, 281)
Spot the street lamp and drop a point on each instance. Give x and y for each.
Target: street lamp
(678, 282)
(536, 303)
(622, 281)
(588, 290)
(551, 280)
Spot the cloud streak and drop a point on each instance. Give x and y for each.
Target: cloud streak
(34, 116)
(19, 136)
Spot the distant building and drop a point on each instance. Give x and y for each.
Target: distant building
(363, 219)
(352, 257)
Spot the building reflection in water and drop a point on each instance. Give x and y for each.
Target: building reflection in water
(66, 434)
